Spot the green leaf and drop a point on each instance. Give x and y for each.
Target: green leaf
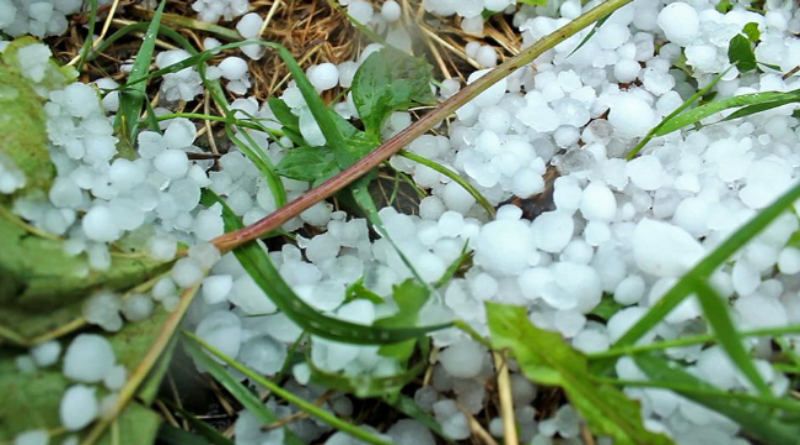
(762, 422)
(170, 435)
(410, 297)
(717, 313)
(365, 386)
(43, 288)
(307, 164)
(546, 359)
(607, 308)
(591, 33)
(377, 94)
(724, 6)
(415, 70)
(740, 53)
(241, 393)
(258, 264)
(533, 2)
(136, 425)
(32, 401)
(758, 108)
(132, 97)
(752, 32)
(23, 124)
(697, 114)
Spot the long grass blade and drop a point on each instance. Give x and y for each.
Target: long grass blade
(717, 313)
(132, 96)
(87, 45)
(277, 390)
(688, 103)
(455, 177)
(763, 423)
(703, 270)
(240, 392)
(704, 111)
(258, 264)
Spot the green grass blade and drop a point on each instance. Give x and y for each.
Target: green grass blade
(688, 103)
(758, 108)
(132, 96)
(455, 266)
(455, 177)
(308, 407)
(703, 270)
(592, 32)
(696, 115)
(258, 264)
(409, 407)
(262, 163)
(717, 313)
(212, 435)
(762, 423)
(240, 392)
(87, 45)
(546, 359)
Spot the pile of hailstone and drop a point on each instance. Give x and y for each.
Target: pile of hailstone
(626, 229)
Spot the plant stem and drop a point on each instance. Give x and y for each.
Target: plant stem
(231, 240)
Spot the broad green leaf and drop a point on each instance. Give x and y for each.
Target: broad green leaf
(241, 393)
(717, 313)
(762, 422)
(696, 115)
(32, 401)
(377, 94)
(416, 70)
(740, 53)
(703, 270)
(307, 164)
(132, 97)
(546, 359)
(410, 297)
(752, 32)
(724, 6)
(257, 263)
(43, 288)
(136, 425)
(23, 124)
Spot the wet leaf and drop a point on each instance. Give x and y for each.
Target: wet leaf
(546, 359)
(43, 288)
(307, 164)
(740, 53)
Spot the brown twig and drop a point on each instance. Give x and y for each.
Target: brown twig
(231, 240)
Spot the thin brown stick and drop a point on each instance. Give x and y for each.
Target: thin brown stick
(271, 222)
(510, 436)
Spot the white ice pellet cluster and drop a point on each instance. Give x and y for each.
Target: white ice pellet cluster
(183, 85)
(626, 230)
(214, 10)
(40, 18)
(11, 177)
